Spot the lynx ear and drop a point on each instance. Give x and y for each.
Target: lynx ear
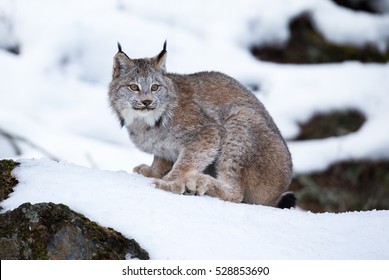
(121, 62)
(160, 59)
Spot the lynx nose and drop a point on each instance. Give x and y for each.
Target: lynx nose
(147, 102)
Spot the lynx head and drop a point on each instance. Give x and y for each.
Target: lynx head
(140, 89)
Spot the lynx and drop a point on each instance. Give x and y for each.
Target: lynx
(209, 134)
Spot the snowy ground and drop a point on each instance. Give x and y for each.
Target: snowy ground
(178, 227)
(53, 97)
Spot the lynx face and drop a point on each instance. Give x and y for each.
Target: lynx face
(139, 89)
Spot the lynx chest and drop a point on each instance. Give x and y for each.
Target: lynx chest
(157, 141)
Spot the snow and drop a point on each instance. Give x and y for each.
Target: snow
(53, 99)
(171, 226)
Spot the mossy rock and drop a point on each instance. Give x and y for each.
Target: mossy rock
(345, 186)
(53, 231)
(331, 124)
(7, 181)
(307, 45)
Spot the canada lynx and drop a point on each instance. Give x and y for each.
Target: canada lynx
(207, 132)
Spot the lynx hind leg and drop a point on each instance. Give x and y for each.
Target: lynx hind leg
(238, 149)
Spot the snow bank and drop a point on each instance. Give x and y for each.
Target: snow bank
(173, 226)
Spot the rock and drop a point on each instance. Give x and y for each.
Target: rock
(7, 181)
(369, 6)
(345, 186)
(53, 231)
(307, 45)
(331, 124)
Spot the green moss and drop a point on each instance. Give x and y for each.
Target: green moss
(111, 244)
(39, 251)
(50, 231)
(7, 181)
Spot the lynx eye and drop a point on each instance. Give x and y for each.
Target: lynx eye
(133, 87)
(154, 87)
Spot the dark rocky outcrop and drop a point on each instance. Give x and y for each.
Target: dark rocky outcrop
(53, 231)
(307, 45)
(331, 124)
(345, 186)
(7, 181)
(369, 6)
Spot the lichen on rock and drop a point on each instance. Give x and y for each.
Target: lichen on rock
(53, 231)
(7, 181)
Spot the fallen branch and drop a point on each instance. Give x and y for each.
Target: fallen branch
(14, 139)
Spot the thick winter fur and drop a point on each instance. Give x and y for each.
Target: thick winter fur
(207, 132)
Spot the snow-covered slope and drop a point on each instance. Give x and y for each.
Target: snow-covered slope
(171, 226)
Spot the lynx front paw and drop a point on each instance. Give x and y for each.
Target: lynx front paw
(146, 171)
(170, 186)
(201, 184)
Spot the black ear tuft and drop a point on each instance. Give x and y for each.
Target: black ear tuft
(121, 62)
(162, 53)
(159, 60)
(164, 45)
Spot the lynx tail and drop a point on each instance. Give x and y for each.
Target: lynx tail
(288, 200)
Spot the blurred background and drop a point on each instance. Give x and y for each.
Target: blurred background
(319, 66)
